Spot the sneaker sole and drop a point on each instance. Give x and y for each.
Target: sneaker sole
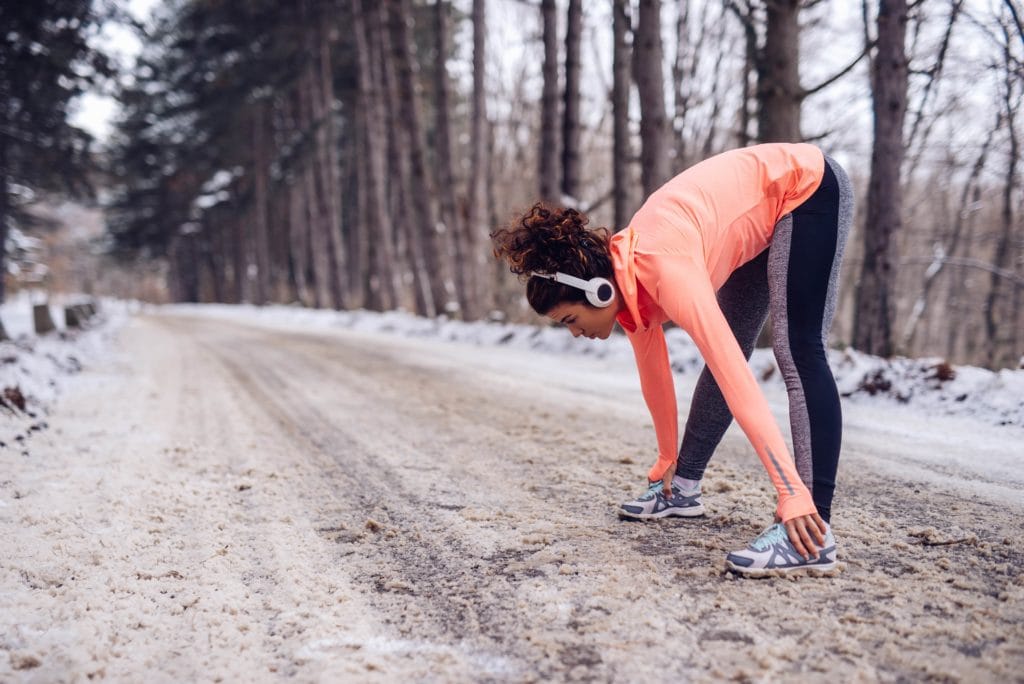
(823, 570)
(692, 512)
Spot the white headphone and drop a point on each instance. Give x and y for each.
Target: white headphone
(600, 291)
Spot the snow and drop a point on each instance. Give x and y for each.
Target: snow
(928, 385)
(920, 388)
(224, 496)
(39, 366)
(899, 391)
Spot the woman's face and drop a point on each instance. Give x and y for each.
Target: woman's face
(583, 319)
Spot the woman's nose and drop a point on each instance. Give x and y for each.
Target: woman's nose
(576, 332)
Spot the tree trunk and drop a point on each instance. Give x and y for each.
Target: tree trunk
(571, 112)
(315, 192)
(298, 243)
(409, 238)
(327, 148)
(462, 266)
(778, 75)
(750, 60)
(325, 222)
(948, 249)
(381, 286)
(476, 223)
(433, 243)
(4, 209)
(873, 315)
(261, 231)
(622, 154)
(998, 354)
(682, 78)
(239, 260)
(549, 105)
(650, 83)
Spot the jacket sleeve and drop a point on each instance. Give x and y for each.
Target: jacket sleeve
(682, 288)
(659, 392)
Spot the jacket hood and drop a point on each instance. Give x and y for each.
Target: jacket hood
(623, 248)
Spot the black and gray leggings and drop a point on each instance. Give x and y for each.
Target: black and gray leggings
(796, 279)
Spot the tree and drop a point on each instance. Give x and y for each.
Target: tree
(434, 242)
(45, 62)
(648, 74)
(381, 288)
(776, 64)
(622, 152)
(479, 161)
(1001, 330)
(873, 314)
(571, 110)
(450, 218)
(549, 156)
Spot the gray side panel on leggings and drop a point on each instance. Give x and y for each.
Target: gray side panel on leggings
(778, 273)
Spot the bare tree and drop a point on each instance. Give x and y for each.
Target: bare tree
(622, 151)
(649, 77)
(873, 315)
(381, 288)
(479, 163)
(571, 110)
(776, 63)
(433, 242)
(261, 224)
(450, 219)
(1001, 331)
(778, 74)
(549, 104)
(946, 249)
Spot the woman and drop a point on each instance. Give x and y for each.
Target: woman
(714, 250)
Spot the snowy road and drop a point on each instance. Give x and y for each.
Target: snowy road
(235, 503)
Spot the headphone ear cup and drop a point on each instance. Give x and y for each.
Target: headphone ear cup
(600, 292)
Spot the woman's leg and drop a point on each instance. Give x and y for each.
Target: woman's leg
(803, 277)
(744, 302)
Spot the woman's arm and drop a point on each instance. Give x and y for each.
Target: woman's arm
(659, 392)
(681, 287)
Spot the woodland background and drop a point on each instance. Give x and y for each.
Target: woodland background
(356, 153)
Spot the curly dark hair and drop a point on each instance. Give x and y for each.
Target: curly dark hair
(547, 239)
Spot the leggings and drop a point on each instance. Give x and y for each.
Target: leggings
(796, 278)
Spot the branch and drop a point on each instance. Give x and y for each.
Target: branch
(965, 262)
(746, 19)
(1016, 18)
(810, 91)
(598, 202)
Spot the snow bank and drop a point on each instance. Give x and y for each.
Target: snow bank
(33, 368)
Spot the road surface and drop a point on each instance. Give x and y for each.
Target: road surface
(224, 502)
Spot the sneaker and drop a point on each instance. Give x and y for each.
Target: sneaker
(772, 553)
(653, 504)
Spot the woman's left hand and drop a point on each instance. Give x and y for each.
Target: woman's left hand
(807, 533)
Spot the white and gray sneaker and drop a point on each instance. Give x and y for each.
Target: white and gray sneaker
(772, 552)
(653, 504)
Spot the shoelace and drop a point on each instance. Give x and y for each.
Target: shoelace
(769, 537)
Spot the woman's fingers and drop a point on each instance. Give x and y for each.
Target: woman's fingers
(803, 535)
(820, 528)
(666, 480)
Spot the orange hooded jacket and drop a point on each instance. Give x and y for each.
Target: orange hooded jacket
(679, 249)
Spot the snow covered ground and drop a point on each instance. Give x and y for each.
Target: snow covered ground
(898, 399)
(243, 494)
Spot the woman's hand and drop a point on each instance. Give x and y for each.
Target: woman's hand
(666, 480)
(807, 533)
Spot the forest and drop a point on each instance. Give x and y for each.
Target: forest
(354, 154)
